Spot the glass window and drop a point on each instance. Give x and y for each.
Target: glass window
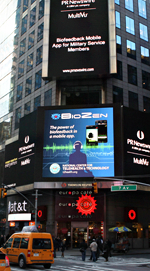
(32, 1)
(30, 62)
(25, 5)
(19, 92)
(132, 75)
(40, 32)
(11, 101)
(133, 100)
(31, 39)
(24, 25)
(129, 4)
(119, 70)
(22, 47)
(27, 108)
(38, 79)
(142, 8)
(39, 53)
(130, 25)
(8, 243)
(117, 95)
(24, 243)
(143, 32)
(32, 16)
(12, 82)
(146, 104)
(48, 97)
(117, 19)
(37, 102)
(17, 117)
(41, 243)
(41, 9)
(16, 242)
(131, 49)
(17, 19)
(119, 46)
(21, 69)
(28, 86)
(18, 3)
(145, 55)
(146, 80)
(117, 2)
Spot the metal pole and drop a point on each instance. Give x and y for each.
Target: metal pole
(36, 198)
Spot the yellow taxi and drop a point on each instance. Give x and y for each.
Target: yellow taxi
(4, 262)
(26, 248)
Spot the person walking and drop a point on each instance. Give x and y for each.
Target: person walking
(83, 247)
(62, 248)
(93, 247)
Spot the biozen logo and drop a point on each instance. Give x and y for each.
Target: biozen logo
(83, 115)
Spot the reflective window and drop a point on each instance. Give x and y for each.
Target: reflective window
(25, 5)
(119, 70)
(21, 69)
(117, 19)
(32, 16)
(119, 46)
(16, 242)
(30, 62)
(12, 83)
(18, 3)
(117, 2)
(131, 49)
(24, 243)
(17, 19)
(130, 25)
(32, 1)
(133, 100)
(145, 55)
(142, 8)
(48, 97)
(117, 95)
(146, 80)
(38, 79)
(19, 92)
(146, 104)
(11, 101)
(22, 47)
(132, 75)
(24, 25)
(39, 243)
(27, 108)
(17, 117)
(41, 9)
(28, 87)
(5, 130)
(37, 102)
(8, 243)
(39, 53)
(31, 39)
(143, 32)
(129, 4)
(40, 32)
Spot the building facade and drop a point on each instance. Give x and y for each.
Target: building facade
(22, 88)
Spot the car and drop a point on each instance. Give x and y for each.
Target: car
(30, 247)
(4, 262)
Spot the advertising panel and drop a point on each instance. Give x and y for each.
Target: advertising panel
(79, 205)
(78, 143)
(136, 143)
(79, 38)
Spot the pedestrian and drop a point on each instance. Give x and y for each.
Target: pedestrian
(93, 247)
(62, 248)
(55, 246)
(107, 249)
(99, 242)
(83, 247)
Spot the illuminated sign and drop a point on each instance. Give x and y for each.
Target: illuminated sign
(86, 205)
(78, 143)
(17, 207)
(79, 38)
(132, 214)
(19, 217)
(11, 224)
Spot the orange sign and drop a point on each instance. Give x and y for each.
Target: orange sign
(12, 224)
(86, 204)
(31, 223)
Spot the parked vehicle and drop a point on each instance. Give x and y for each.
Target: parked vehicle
(26, 248)
(4, 262)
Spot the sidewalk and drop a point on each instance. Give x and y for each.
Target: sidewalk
(76, 252)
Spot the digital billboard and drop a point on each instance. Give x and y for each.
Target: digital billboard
(78, 143)
(78, 38)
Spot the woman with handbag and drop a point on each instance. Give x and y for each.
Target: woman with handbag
(83, 247)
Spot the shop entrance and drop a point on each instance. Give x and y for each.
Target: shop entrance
(79, 231)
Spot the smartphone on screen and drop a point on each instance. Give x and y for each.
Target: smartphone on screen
(102, 130)
(92, 135)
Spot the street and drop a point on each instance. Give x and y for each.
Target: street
(140, 262)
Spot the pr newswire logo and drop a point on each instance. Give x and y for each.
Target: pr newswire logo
(82, 115)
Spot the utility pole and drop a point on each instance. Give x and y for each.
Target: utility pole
(36, 203)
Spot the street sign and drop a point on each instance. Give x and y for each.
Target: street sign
(123, 188)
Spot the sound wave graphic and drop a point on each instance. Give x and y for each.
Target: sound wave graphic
(69, 147)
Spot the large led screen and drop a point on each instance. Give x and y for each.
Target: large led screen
(78, 143)
(79, 41)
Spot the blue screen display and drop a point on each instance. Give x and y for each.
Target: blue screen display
(78, 143)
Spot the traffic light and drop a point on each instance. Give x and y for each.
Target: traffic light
(94, 186)
(4, 192)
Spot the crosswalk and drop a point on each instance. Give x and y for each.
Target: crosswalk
(84, 268)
